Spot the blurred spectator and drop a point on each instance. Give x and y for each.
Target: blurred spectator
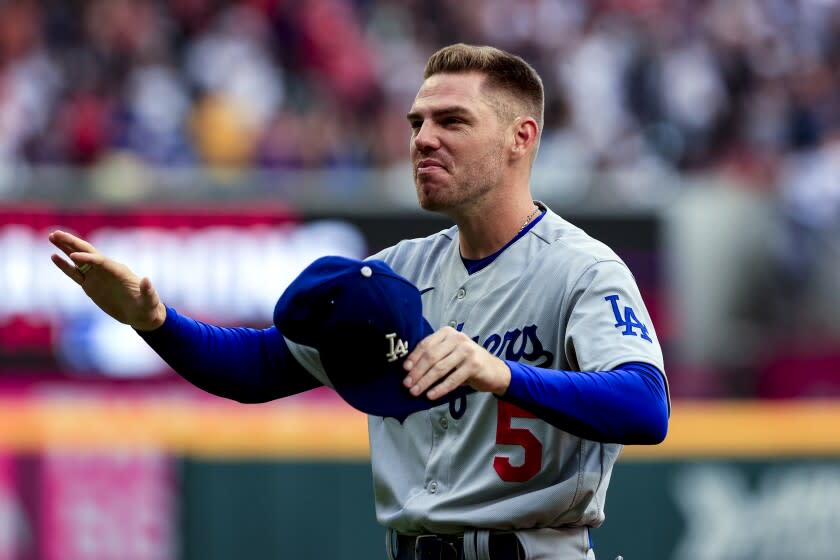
(809, 245)
(29, 81)
(232, 60)
(222, 131)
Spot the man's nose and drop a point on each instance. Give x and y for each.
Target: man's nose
(426, 138)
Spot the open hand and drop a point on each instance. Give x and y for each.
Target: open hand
(111, 285)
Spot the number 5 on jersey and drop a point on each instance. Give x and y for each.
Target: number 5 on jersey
(506, 434)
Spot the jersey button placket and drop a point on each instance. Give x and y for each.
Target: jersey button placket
(444, 423)
(433, 487)
(462, 293)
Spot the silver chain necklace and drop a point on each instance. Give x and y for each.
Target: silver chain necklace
(530, 217)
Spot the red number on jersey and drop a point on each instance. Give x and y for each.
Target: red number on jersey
(524, 438)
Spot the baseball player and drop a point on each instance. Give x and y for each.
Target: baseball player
(542, 323)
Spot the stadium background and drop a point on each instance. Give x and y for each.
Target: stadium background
(219, 147)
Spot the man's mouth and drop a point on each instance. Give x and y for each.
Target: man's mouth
(427, 165)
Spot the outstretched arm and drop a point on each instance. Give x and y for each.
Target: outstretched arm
(248, 365)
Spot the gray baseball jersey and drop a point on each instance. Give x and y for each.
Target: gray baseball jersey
(555, 298)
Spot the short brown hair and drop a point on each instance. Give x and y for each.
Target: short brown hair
(504, 71)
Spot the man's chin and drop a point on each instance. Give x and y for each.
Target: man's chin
(429, 197)
(432, 206)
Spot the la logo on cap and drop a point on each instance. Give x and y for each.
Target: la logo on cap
(399, 347)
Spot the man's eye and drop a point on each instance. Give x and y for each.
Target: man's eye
(449, 121)
(415, 125)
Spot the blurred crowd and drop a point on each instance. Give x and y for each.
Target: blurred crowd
(687, 84)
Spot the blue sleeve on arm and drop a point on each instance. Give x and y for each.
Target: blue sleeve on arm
(627, 405)
(247, 365)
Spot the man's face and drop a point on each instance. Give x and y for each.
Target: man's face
(457, 142)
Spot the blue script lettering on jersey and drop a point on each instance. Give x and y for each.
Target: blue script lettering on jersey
(628, 320)
(516, 345)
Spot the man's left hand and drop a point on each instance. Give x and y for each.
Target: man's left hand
(452, 356)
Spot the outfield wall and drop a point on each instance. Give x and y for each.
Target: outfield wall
(176, 475)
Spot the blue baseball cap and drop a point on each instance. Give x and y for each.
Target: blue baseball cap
(364, 319)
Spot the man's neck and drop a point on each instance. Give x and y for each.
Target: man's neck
(484, 231)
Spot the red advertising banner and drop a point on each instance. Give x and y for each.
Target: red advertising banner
(227, 266)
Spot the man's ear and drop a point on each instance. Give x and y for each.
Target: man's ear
(525, 133)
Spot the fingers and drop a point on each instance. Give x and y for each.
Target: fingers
(78, 250)
(96, 259)
(436, 371)
(68, 269)
(76, 269)
(454, 380)
(57, 238)
(437, 356)
(69, 243)
(424, 355)
(448, 359)
(427, 345)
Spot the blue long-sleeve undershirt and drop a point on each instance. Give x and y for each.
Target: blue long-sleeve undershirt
(246, 365)
(627, 405)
